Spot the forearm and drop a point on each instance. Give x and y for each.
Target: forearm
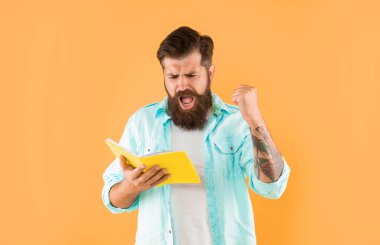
(268, 159)
(121, 197)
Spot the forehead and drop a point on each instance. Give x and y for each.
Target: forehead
(191, 62)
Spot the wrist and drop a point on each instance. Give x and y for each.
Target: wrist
(254, 123)
(254, 119)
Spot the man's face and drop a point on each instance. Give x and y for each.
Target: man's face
(187, 84)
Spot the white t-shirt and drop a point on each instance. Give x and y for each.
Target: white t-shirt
(188, 201)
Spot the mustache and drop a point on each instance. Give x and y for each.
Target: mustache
(186, 92)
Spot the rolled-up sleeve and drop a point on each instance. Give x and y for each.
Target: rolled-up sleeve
(113, 173)
(273, 190)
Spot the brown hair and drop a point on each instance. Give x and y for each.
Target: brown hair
(183, 41)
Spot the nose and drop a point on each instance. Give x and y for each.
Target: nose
(182, 84)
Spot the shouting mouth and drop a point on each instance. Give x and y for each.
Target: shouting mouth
(186, 102)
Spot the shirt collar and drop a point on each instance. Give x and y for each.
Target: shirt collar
(218, 106)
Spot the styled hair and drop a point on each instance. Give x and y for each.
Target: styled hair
(183, 41)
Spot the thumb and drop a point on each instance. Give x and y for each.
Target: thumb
(122, 163)
(234, 100)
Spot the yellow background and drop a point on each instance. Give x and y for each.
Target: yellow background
(72, 72)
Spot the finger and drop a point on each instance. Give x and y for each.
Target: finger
(235, 97)
(149, 173)
(157, 176)
(240, 91)
(125, 164)
(245, 89)
(129, 167)
(245, 86)
(241, 88)
(236, 92)
(122, 163)
(137, 171)
(162, 179)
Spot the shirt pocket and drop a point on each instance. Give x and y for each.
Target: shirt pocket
(153, 144)
(228, 155)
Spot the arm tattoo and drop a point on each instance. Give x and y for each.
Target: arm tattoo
(268, 159)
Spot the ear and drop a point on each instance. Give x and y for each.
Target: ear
(211, 71)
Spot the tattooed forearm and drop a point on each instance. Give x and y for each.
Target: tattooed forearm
(268, 159)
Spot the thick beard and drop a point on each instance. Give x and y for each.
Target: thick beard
(194, 118)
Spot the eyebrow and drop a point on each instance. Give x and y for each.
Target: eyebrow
(190, 73)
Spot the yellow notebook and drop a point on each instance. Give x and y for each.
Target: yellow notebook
(177, 163)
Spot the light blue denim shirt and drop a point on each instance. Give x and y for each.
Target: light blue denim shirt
(229, 160)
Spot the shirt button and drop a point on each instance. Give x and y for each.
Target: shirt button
(170, 231)
(148, 150)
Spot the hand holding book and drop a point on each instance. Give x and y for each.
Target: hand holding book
(137, 180)
(177, 163)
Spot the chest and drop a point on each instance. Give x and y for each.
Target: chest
(220, 147)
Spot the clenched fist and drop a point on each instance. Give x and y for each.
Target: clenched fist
(245, 97)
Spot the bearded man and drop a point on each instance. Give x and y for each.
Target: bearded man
(226, 143)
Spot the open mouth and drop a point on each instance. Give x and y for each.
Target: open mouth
(187, 101)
